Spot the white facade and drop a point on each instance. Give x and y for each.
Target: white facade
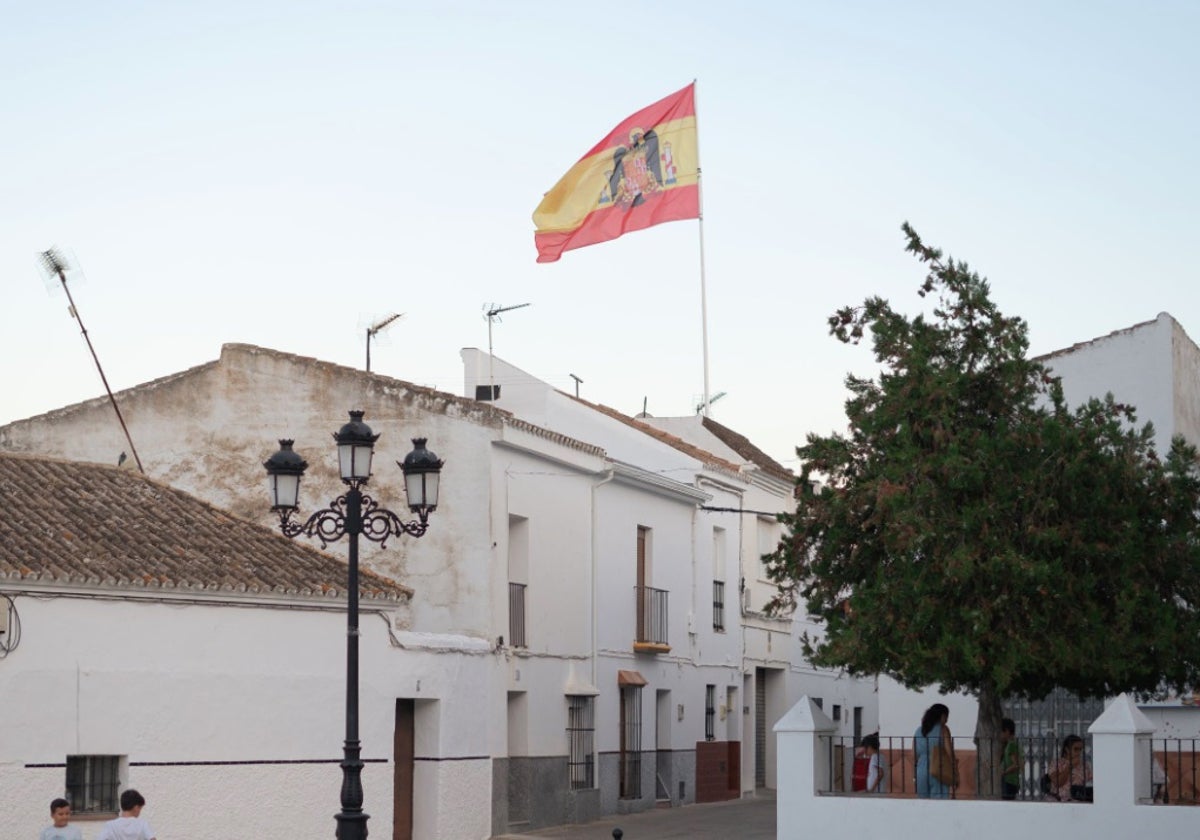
(235, 703)
(763, 670)
(773, 659)
(548, 513)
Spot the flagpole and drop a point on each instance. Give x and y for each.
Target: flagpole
(703, 294)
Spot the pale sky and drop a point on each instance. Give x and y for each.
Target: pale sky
(280, 173)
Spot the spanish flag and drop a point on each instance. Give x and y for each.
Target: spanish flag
(645, 172)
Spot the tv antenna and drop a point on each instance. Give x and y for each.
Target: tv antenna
(56, 266)
(578, 382)
(374, 330)
(703, 406)
(493, 314)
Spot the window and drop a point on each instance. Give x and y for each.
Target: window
(92, 783)
(581, 732)
(631, 742)
(837, 712)
(710, 712)
(718, 561)
(518, 577)
(516, 615)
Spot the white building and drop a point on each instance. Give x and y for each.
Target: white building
(154, 641)
(568, 585)
(733, 529)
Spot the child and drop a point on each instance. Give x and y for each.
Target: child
(60, 813)
(130, 825)
(1010, 760)
(876, 769)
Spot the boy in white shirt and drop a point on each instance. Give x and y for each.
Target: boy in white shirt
(130, 825)
(60, 813)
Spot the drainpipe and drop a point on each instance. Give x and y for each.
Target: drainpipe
(609, 474)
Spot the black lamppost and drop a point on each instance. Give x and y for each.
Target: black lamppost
(352, 514)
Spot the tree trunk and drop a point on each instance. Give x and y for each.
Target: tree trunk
(987, 742)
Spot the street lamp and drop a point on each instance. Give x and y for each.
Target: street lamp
(352, 514)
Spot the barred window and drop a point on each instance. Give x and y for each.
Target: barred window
(92, 783)
(718, 605)
(581, 733)
(710, 712)
(630, 767)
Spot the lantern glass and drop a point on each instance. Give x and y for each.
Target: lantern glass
(354, 460)
(285, 491)
(422, 490)
(284, 470)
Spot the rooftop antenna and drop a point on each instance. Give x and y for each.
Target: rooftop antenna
(493, 314)
(702, 407)
(376, 328)
(56, 266)
(577, 383)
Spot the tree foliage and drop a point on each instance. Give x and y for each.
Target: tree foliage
(975, 531)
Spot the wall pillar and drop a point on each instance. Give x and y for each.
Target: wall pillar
(803, 760)
(1121, 760)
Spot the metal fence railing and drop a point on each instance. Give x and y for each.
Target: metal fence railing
(1042, 771)
(1174, 772)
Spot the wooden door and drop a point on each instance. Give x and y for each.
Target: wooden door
(405, 758)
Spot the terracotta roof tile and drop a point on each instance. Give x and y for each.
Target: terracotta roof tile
(87, 524)
(679, 443)
(742, 446)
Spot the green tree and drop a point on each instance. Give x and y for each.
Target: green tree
(975, 532)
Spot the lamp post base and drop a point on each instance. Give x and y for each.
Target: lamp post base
(351, 826)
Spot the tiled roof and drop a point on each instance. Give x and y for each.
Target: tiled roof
(679, 443)
(69, 523)
(742, 446)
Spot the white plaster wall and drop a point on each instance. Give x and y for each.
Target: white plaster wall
(260, 689)
(1186, 383)
(900, 709)
(1134, 364)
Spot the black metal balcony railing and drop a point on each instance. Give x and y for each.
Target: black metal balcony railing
(516, 614)
(718, 605)
(651, 615)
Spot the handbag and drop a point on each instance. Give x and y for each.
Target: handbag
(942, 765)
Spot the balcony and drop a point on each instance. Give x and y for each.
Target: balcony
(516, 615)
(651, 606)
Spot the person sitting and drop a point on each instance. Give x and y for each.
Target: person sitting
(1070, 776)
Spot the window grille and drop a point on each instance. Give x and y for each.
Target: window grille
(516, 614)
(581, 732)
(92, 783)
(710, 712)
(718, 605)
(631, 742)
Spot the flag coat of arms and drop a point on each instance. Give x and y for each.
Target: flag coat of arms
(645, 172)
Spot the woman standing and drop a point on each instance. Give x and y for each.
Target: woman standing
(927, 741)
